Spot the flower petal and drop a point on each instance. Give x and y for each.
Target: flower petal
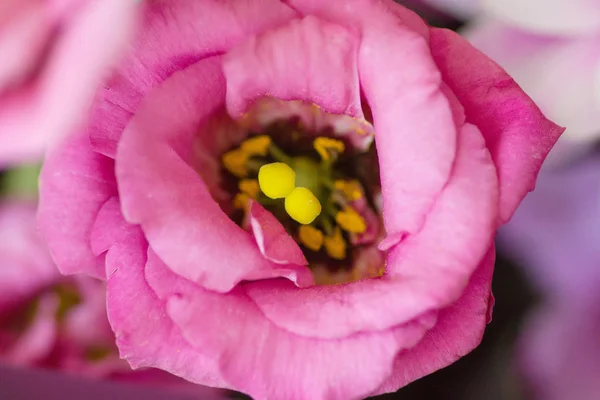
(571, 100)
(175, 35)
(161, 191)
(458, 230)
(255, 352)
(308, 60)
(146, 337)
(459, 330)
(272, 239)
(517, 134)
(75, 182)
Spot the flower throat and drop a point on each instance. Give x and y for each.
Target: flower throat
(318, 185)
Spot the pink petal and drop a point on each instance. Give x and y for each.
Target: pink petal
(458, 231)
(75, 182)
(44, 111)
(554, 17)
(175, 35)
(571, 100)
(517, 134)
(146, 337)
(160, 191)
(108, 228)
(272, 239)
(459, 330)
(26, 266)
(308, 60)
(267, 362)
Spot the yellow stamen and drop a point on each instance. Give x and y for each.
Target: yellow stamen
(351, 190)
(302, 205)
(235, 162)
(240, 201)
(335, 245)
(276, 180)
(327, 147)
(311, 237)
(256, 146)
(250, 187)
(351, 221)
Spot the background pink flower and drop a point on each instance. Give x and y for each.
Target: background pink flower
(552, 49)
(555, 236)
(54, 55)
(145, 200)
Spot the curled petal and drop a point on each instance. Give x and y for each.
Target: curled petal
(146, 337)
(459, 330)
(75, 182)
(516, 132)
(272, 239)
(308, 60)
(321, 367)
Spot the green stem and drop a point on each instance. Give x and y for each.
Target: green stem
(279, 155)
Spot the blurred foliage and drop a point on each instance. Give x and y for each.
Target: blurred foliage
(20, 182)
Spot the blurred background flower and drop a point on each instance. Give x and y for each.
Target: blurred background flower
(51, 321)
(54, 55)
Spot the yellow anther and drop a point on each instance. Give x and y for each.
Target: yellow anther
(311, 237)
(335, 245)
(240, 201)
(235, 162)
(326, 147)
(302, 205)
(351, 190)
(351, 221)
(276, 180)
(250, 187)
(256, 146)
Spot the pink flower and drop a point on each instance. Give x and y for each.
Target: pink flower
(376, 267)
(54, 53)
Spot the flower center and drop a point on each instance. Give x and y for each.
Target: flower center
(318, 184)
